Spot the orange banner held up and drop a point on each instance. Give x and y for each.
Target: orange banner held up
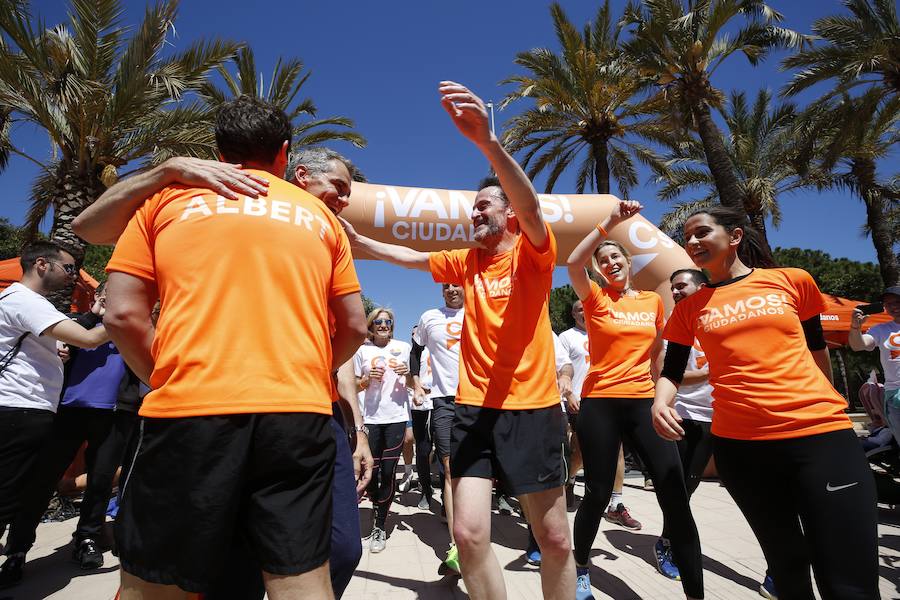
(428, 219)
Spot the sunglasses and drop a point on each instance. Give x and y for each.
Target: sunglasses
(67, 267)
(388, 322)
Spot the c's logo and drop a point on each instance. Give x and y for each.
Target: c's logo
(893, 344)
(454, 328)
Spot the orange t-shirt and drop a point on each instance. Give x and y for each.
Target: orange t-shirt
(506, 347)
(621, 331)
(244, 288)
(766, 384)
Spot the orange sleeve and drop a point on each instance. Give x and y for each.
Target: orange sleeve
(343, 278)
(543, 258)
(597, 300)
(134, 249)
(448, 266)
(809, 299)
(679, 328)
(660, 310)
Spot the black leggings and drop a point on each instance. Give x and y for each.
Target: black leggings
(826, 514)
(695, 448)
(603, 423)
(386, 444)
(422, 434)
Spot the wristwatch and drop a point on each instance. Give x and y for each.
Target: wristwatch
(363, 429)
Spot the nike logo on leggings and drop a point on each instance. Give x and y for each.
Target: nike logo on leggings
(834, 488)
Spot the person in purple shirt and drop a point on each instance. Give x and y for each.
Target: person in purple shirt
(89, 411)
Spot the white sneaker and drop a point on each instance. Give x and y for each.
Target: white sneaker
(406, 483)
(379, 541)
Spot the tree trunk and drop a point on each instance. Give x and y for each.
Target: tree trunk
(73, 193)
(877, 220)
(718, 160)
(601, 167)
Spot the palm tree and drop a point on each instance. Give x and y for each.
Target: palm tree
(682, 47)
(761, 146)
(284, 85)
(585, 108)
(856, 133)
(105, 101)
(860, 50)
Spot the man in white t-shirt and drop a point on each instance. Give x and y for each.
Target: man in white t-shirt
(885, 337)
(30, 328)
(575, 341)
(439, 331)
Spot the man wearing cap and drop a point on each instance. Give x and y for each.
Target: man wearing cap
(885, 337)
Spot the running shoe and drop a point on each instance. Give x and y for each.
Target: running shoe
(451, 562)
(503, 506)
(648, 484)
(583, 584)
(88, 554)
(620, 516)
(533, 556)
(767, 589)
(406, 483)
(665, 564)
(570, 497)
(425, 502)
(11, 571)
(379, 540)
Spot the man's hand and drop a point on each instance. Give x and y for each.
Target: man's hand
(362, 462)
(418, 395)
(99, 305)
(226, 179)
(62, 350)
(573, 403)
(857, 318)
(348, 229)
(468, 112)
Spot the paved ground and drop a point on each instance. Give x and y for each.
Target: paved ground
(623, 560)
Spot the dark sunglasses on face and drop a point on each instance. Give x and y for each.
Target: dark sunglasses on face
(67, 267)
(388, 322)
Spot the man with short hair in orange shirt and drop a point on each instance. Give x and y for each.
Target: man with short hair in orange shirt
(508, 422)
(236, 439)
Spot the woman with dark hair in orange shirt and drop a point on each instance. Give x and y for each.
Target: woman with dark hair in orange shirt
(624, 327)
(778, 424)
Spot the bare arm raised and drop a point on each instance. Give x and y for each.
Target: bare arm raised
(392, 253)
(581, 255)
(471, 118)
(104, 221)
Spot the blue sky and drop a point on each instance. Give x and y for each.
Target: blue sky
(379, 63)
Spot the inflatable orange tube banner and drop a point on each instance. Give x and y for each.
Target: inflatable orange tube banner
(428, 219)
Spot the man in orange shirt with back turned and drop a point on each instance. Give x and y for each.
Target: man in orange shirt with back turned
(508, 422)
(236, 439)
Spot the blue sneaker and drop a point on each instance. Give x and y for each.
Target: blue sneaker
(665, 564)
(767, 589)
(533, 556)
(583, 584)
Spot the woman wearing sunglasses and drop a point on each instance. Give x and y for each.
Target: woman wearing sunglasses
(381, 366)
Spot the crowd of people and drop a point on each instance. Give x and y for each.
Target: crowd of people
(257, 436)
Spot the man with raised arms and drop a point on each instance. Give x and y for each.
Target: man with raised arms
(508, 422)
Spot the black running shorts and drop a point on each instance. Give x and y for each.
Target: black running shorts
(198, 484)
(523, 448)
(444, 407)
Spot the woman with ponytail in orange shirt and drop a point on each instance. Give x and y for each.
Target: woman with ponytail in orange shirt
(778, 424)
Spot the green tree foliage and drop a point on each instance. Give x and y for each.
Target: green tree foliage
(681, 44)
(285, 84)
(561, 301)
(586, 109)
(12, 239)
(95, 260)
